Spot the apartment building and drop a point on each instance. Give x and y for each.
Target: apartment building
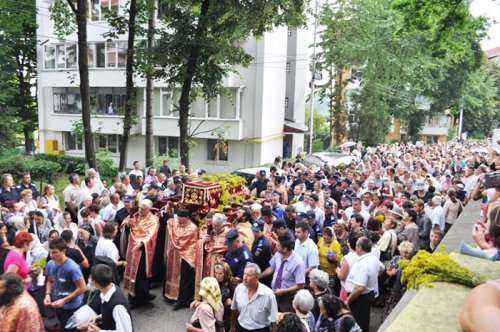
(262, 115)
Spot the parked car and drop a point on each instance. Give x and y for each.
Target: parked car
(249, 173)
(336, 158)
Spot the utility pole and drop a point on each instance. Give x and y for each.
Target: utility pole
(460, 124)
(313, 76)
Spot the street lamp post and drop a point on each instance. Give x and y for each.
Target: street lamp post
(313, 76)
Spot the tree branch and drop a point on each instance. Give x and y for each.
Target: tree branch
(205, 131)
(72, 6)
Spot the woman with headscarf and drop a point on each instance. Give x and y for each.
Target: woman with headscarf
(64, 223)
(208, 311)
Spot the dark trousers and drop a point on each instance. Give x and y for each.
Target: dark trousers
(360, 309)
(141, 289)
(64, 315)
(158, 258)
(186, 287)
(241, 329)
(39, 295)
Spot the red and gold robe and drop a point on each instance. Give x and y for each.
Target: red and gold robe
(182, 243)
(214, 252)
(245, 230)
(142, 229)
(21, 314)
(272, 237)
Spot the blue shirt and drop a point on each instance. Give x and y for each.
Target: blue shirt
(293, 271)
(64, 277)
(279, 212)
(238, 259)
(308, 251)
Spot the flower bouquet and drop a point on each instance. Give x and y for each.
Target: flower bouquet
(425, 268)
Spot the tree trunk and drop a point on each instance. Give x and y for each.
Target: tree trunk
(130, 94)
(149, 97)
(191, 66)
(81, 19)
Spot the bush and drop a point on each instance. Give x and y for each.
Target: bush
(173, 162)
(105, 165)
(13, 164)
(42, 169)
(68, 164)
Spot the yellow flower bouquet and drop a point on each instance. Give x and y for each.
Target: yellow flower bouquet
(425, 268)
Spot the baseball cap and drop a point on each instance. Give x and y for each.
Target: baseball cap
(310, 215)
(128, 198)
(300, 216)
(328, 204)
(231, 235)
(258, 225)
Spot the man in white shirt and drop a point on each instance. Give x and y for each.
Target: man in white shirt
(306, 247)
(437, 214)
(356, 208)
(320, 215)
(97, 183)
(114, 305)
(114, 205)
(362, 283)
(137, 169)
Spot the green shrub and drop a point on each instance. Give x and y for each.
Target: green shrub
(105, 165)
(13, 164)
(42, 169)
(68, 164)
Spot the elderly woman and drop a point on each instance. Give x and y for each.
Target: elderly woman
(452, 208)
(303, 302)
(319, 281)
(222, 272)
(27, 202)
(396, 288)
(16, 261)
(335, 316)
(208, 312)
(389, 240)
(409, 232)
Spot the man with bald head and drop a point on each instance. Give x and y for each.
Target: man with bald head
(142, 228)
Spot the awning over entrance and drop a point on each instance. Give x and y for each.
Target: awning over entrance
(294, 128)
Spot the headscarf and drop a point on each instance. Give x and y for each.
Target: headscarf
(18, 223)
(209, 289)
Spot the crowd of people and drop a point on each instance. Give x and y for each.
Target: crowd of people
(310, 249)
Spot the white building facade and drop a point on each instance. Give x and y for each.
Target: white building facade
(263, 115)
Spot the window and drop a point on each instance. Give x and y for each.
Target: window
(73, 142)
(228, 105)
(61, 56)
(213, 148)
(90, 55)
(110, 142)
(121, 49)
(67, 100)
(100, 55)
(287, 102)
(111, 55)
(197, 108)
(288, 66)
(71, 57)
(168, 146)
(290, 32)
(50, 57)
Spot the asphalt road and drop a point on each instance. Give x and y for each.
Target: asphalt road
(158, 316)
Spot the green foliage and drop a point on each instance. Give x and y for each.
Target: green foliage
(63, 19)
(68, 164)
(106, 165)
(17, 74)
(318, 146)
(13, 164)
(399, 50)
(42, 169)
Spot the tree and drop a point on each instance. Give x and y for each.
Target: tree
(200, 44)
(18, 73)
(65, 21)
(396, 60)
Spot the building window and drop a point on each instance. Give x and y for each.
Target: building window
(73, 142)
(288, 66)
(290, 32)
(61, 56)
(50, 57)
(98, 8)
(67, 100)
(71, 56)
(168, 146)
(213, 148)
(110, 142)
(287, 102)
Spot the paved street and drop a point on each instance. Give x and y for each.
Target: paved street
(158, 316)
